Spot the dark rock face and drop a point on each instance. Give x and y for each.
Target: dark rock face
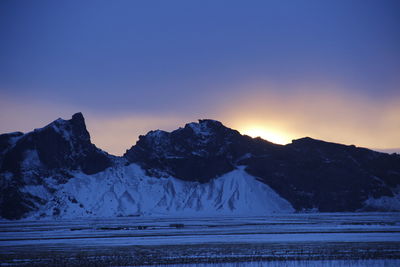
(198, 152)
(6, 142)
(55, 150)
(326, 176)
(310, 174)
(63, 144)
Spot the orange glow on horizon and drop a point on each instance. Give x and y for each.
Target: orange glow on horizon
(333, 115)
(270, 135)
(330, 115)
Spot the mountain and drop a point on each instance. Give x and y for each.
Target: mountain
(310, 174)
(201, 169)
(198, 152)
(55, 150)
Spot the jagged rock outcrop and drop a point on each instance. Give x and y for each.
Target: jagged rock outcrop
(54, 150)
(198, 152)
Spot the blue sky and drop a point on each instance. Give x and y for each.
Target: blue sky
(164, 63)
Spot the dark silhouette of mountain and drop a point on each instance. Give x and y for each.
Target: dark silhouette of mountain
(310, 174)
(198, 152)
(388, 150)
(54, 150)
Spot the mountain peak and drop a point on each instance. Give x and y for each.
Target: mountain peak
(210, 123)
(54, 151)
(78, 120)
(70, 130)
(60, 144)
(207, 127)
(198, 152)
(78, 117)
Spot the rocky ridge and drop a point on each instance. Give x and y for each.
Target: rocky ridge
(311, 175)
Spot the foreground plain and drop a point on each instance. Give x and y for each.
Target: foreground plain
(366, 238)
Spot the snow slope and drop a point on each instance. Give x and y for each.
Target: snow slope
(126, 190)
(384, 203)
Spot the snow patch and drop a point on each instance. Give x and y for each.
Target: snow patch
(62, 127)
(385, 203)
(245, 156)
(13, 140)
(31, 160)
(200, 129)
(157, 136)
(37, 190)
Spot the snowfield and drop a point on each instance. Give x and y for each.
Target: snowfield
(127, 191)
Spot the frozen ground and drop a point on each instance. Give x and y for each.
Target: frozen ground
(302, 263)
(353, 238)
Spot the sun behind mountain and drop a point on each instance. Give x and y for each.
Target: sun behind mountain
(268, 134)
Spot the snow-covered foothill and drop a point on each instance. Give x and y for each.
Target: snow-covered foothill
(126, 190)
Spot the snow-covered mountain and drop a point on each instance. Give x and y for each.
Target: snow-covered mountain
(56, 150)
(202, 169)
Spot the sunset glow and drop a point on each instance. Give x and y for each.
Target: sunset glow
(329, 71)
(266, 134)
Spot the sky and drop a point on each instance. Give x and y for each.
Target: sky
(279, 69)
